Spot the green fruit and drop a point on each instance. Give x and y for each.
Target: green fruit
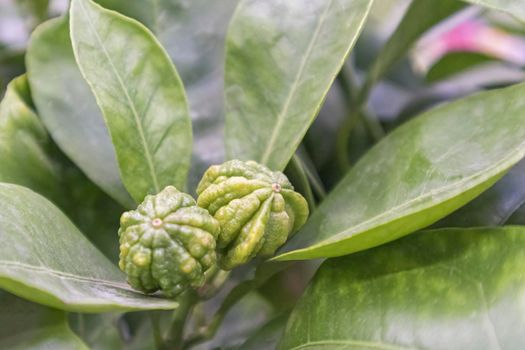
(257, 209)
(167, 243)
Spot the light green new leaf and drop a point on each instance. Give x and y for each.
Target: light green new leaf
(140, 94)
(28, 326)
(451, 289)
(281, 58)
(68, 108)
(44, 258)
(512, 7)
(420, 16)
(421, 172)
(24, 144)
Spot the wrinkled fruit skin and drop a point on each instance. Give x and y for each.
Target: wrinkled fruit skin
(167, 243)
(257, 209)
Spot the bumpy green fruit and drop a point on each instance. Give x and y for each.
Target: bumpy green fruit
(257, 209)
(167, 243)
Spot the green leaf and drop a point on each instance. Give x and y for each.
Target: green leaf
(28, 326)
(422, 171)
(455, 63)
(29, 158)
(512, 7)
(281, 58)
(140, 94)
(25, 145)
(443, 289)
(420, 16)
(68, 108)
(495, 206)
(44, 258)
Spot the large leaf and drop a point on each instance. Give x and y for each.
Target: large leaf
(512, 7)
(29, 158)
(24, 144)
(140, 94)
(445, 289)
(44, 258)
(420, 16)
(281, 58)
(28, 326)
(495, 206)
(421, 172)
(68, 108)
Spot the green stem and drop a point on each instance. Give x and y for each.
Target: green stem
(311, 173)
(215, 282)
(155, 325)
(209, 331)
(343, 137)
(175, 336)
(373, 125)
(297, 165)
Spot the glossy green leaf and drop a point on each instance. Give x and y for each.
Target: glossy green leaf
(44, 258)
(24, 144)
(140, 94)
(29, 158)
(445, 289)
(281, 58)
(512, 7)
(422, 171)
(28, 326)
(420, 16)
(68, 108)
(495, 206)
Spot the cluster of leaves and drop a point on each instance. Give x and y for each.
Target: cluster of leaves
(102, 118)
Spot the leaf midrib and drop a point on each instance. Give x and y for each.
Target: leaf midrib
(280, 117)
(140, 129)
(65, 275)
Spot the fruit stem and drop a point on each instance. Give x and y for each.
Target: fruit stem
(175, 336)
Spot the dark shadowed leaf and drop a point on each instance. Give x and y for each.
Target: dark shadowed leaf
(495, 206)
(28, 326)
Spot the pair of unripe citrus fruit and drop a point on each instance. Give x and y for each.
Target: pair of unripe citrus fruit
(243, 210)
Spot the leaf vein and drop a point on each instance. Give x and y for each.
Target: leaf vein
(132, 106)
(280, 117)
(65, 275)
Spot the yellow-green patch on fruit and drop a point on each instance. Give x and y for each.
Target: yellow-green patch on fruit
(257, 209)
(167, 243)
